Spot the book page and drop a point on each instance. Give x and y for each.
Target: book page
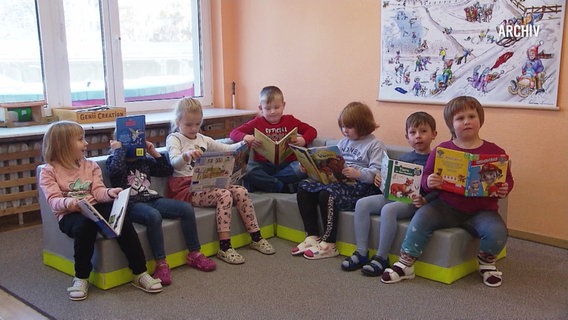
(91, 212)
(241, 156)
(212, 170)
(452, 166)
(274, 151)
(268, 146)
(284, 149)
(119, 206)
(487, 172)
(306, 161)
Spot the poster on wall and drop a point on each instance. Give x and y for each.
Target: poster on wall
(505, 53)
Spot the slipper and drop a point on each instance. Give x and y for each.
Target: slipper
(309, 242)
(146, 283)
(398, 273)
(375, 267)
(230, 256)
(78, 291)
(356, 261)
(491, 277)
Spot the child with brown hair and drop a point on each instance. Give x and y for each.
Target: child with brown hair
(464, 117)
(363, 154)
(420, 132)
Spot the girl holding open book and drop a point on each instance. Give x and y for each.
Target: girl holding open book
(464, 117)
(185, 144)
(362, 153)
(67, 178)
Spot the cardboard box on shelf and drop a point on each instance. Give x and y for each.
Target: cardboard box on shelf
(90, 115)
(22, 114)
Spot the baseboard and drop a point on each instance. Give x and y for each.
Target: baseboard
(560, 243)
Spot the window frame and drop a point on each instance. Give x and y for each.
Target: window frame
(56, 67)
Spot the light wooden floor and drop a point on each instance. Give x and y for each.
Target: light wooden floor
(12, 308)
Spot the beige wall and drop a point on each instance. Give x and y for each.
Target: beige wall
(325, 53)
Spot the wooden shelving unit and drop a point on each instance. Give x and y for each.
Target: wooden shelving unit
(21, 154)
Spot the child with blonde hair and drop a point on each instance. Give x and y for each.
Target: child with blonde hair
(185, 144)
(262, 175)
(69, 177)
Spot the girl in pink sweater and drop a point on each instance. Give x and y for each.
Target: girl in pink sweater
(67, 178)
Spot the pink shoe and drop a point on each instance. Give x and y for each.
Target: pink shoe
(199, 261)
(162, 272)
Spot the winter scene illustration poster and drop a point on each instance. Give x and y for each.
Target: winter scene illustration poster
(506, 53)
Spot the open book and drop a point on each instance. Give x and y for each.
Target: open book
(112, 227)
(401, 180)
(471, 175)
(275, 151)
(323, 164)
(131, 132)
(219, 169)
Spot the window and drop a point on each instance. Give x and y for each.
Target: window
(20, 56)
(135, 53)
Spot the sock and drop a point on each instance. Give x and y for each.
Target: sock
(486, 258)
(160, 262)
(256, 237)
(406, 259)
(225, 244)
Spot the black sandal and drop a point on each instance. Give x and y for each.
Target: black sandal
(352, 265)
(375, 267)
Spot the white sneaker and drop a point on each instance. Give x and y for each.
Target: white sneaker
(78, 291)
(309, 242)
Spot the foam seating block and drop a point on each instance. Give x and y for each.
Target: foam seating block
(449, 255)
(110, 268)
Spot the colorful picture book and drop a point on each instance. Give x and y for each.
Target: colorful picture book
(275, 151)
(402, 181)
(131, 132)
(323, 164)
(219, 169)
(471, 175)
(112, 227)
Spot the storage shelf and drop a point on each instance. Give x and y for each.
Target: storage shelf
(20, 151)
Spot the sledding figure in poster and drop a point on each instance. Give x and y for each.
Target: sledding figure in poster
(532, 74)
(444, 79)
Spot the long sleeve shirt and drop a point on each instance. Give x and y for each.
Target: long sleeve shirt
(136, 174)
(460, 202)
(85, 182)
(365, 154)
(177, 144)
(275, 131)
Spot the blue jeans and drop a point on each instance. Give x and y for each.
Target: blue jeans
(485, 225)
(265, 176)
(151, 213)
